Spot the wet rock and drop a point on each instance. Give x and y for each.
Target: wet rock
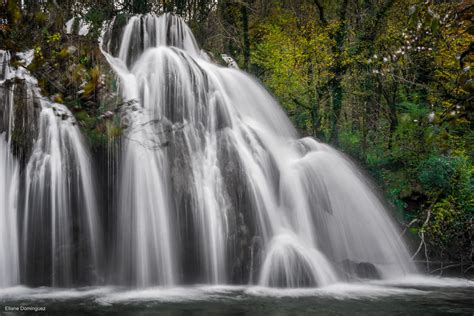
(363, 270)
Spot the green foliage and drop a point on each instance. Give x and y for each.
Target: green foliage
(85, 120)
(296, 56)
(53, 38)
(351, 142)
(449, 230)
(96, 17)
(444, 173)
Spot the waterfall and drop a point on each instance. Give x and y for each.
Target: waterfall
(52, 224)
(9, 184)
(215, 186)
(9, 264)
(61, 227)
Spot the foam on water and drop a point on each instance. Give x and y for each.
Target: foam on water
(427, 281)
(337, 291)
(47, 293)
(173, 294)
(410, 286)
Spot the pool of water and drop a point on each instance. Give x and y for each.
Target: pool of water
(413, 296)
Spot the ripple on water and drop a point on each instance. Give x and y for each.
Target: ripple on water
(408, 287)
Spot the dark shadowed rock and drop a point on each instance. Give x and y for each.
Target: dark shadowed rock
(363, 270)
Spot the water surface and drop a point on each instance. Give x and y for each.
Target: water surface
(408, 296)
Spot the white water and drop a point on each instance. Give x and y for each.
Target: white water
(9, 186)
(58, 184)
(215, 186)
(58, 240)
(409, 286)
(9, 264)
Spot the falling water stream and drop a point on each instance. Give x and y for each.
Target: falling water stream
(215, 199)
(216, 186)
(53, 221)
(9, 185)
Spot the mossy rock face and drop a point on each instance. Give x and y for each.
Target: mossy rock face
(26, 109)
(4, 110)
(22, 115)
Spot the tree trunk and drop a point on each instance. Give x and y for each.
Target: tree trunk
(338, 70)
(245, 33)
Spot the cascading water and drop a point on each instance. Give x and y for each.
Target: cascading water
(9, 185)
(216, 188)
(9, 264)
(61, 227)
(57, 235)
(207, 184)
